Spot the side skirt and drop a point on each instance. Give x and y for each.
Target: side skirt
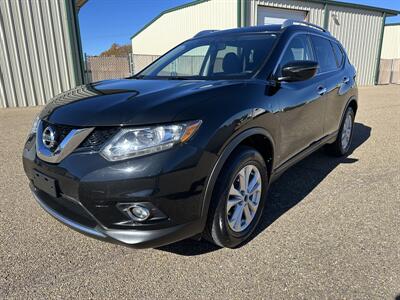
(303, 154)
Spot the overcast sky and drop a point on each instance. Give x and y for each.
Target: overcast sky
(104, 22)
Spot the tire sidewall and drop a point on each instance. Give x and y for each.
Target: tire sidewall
(221, 231)
(350, 112)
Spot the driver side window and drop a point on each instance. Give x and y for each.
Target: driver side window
(299, 48)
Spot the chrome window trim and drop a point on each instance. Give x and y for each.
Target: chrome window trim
(66, 147)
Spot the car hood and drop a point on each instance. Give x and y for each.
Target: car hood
(128, 101)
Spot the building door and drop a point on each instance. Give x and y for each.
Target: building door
(270, 15)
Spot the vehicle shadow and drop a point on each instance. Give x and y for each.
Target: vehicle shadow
(291, 188)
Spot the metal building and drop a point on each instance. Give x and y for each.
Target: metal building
(358, 27)
(389, 69)
(391, 42)
(40, 50)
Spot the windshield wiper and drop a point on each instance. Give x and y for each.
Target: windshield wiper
(177, 78)
(137, 77)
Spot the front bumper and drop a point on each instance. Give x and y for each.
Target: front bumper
(91, 190)
(133, 238)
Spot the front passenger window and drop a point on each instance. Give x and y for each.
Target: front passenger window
(299, 48)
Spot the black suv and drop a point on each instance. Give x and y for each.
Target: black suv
(189, 146)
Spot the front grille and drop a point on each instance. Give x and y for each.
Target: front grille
(97, 138)
(93, 142)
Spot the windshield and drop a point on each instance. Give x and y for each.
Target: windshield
(237, 56)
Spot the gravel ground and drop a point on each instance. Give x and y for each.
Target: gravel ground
(331, 230)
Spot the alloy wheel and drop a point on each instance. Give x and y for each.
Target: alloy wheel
(244, 198)
(346, 131)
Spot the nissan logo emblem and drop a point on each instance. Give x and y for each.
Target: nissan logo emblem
(49, 137)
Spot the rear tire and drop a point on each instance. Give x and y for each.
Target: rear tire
(345, 136)
(238, 198)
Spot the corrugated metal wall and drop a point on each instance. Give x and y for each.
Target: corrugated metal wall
(179, 25)
(39, 53)
(391, 42)
(358, 30)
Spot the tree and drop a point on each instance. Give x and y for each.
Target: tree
(117, 50)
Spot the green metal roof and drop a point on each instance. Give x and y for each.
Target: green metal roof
(79, 4)
(393, 24)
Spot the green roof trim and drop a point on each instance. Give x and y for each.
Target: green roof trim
(245, 9)
(239, 13)
(326, 16)
(168, 11)
(242, 13)
(378, 58)
(392, 24)
(74, 33)
(389, 12)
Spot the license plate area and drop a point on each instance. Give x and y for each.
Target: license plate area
(45, 183)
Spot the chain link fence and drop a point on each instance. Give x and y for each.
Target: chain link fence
(106, 67)
(139, 62)
(389, 71)
(112, 67)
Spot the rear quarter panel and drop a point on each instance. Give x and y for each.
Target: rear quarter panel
(338, 95)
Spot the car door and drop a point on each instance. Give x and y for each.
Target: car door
(301, 102)
(338, 85)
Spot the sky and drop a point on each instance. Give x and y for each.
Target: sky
(104, 22)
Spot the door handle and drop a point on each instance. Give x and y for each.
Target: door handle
(321, 90)
(346, 80)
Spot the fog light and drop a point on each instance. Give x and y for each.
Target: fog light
(140, 212)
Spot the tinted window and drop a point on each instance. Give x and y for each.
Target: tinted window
(299, 48)
(325, 56)
(339, 53)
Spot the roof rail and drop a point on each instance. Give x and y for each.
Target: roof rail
(289, 22)
(204, 32)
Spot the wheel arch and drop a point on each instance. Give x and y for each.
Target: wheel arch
(353, 104)
(251, 137)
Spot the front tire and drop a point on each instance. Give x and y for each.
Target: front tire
(238, 198)
(345, 136)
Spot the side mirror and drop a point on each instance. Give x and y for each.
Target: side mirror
(298, 70)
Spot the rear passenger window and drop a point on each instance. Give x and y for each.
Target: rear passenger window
(338, 53)
(326, 57)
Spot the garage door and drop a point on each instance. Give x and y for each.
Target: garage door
(270, 15)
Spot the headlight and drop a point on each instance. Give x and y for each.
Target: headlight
(34, 127)
(134, 142)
